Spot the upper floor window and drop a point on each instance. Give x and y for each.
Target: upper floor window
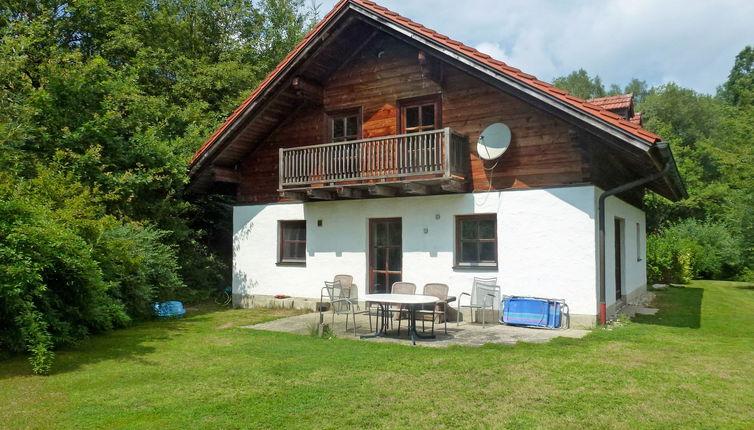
(344, 125)
(420, 114)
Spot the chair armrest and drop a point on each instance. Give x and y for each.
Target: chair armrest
(460, 296)
(450, 299)
(343, 300)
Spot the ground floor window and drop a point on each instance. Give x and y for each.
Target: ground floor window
(292, 242)
(476, 240)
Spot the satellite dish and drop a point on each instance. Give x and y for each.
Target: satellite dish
(493, 141)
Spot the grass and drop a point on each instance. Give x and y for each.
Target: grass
(689, 366)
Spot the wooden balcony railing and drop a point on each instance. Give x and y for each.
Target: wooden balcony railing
(441, 153)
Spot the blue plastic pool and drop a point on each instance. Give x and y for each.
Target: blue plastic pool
(531, 312)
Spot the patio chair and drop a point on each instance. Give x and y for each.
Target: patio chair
(346, 282)
(400, 288)
(340, 303)
(485, 293)
(438, 309)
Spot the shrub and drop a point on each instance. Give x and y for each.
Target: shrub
(68, 270)
(692, 249)
(669, 259)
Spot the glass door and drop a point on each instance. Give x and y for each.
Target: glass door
(385, 254)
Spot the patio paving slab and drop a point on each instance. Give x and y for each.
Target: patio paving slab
(469, 334)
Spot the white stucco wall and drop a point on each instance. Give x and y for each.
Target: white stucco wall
(546, 243)
(634, 271)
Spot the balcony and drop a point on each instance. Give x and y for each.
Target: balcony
(429, 162)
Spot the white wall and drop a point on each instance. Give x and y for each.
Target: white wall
(546, 243)
(634, 271)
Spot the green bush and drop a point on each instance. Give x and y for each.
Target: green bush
(669, 259)
(691, 249)
(68, 270)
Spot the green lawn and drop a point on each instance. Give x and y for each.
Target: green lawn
(690, 366)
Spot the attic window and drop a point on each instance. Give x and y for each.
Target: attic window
(344, 125)
(421, 114)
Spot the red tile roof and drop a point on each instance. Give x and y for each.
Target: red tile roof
(622, 101)
(593, 109)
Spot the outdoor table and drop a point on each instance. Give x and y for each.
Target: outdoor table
(411, 302)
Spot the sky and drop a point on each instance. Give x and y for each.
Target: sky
(692, 43)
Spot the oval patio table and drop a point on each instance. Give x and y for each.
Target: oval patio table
(411, 301)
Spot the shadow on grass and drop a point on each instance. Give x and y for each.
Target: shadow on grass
(746, 287)
(128, 344)
(679, 307)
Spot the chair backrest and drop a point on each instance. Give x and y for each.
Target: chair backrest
(346, 283)
(335, 293)
(482, 289)
(436, 290)
(403, 288)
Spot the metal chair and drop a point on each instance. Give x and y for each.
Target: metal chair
(340, 303)
(346, 282)
(484, 293)
(441, 292)
(400, 288)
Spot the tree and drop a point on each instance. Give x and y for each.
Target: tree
(102, 104)
(639, 89)
(581, 85)
(738, 90)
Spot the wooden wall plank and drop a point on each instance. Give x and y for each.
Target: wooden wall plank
(542, 151)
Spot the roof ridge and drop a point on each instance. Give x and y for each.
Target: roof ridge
(460, 48)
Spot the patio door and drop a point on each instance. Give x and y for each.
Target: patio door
(385, 253)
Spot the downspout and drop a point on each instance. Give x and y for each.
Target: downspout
(666, 158)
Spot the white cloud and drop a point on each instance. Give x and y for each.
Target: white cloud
(492, 49)
(695, 42)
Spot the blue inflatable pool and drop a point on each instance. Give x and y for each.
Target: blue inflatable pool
(532, 312)
(169, 309)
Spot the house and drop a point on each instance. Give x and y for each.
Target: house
(358, 154)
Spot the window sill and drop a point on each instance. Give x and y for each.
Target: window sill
(476, 268)
(291, 263)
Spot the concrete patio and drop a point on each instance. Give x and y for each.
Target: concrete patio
(467, 333)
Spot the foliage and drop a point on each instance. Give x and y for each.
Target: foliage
(67, 269)
(738, 90)
(691, 249)
(102, 104)
(669, 258)
(580, 84)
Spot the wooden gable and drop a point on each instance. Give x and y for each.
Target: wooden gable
(386, 71)
(357, 60)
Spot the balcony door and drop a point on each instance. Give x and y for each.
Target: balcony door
(385, 254)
